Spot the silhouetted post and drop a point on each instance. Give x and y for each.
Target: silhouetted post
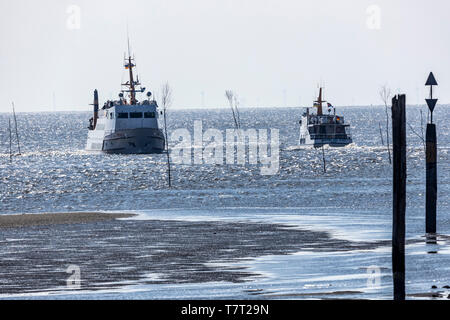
(431, 166)
(381, 133)
(166, 100)
(10, 140)
(324, 161)
(17, 132)
(431, 178)
(399, 195)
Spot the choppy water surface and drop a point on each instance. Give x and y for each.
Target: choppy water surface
(352, 200)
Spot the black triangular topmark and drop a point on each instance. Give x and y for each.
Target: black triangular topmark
(431, 103)
(431, 80)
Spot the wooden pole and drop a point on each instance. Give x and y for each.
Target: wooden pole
(431, 178)
(10, 140)
(324, 161)
(381, 133)
(399, 195)
(17, 132)
(387, 134)
(167, 148)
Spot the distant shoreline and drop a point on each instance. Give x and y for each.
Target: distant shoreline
(41, 219)
(219, 108)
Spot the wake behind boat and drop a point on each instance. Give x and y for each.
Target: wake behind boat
(126, 125)
(321, 129)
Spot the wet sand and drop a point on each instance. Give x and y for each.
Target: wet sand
(37, 250)
(28, 220)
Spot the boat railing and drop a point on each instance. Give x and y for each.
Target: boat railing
(343, 136)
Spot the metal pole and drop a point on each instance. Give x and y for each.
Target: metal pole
(431, 162)
(399, 195)
(431, 179)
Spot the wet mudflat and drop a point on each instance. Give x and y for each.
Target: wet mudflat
(27, 220)
(113, 253)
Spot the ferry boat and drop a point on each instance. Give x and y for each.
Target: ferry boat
(319, 129)
(126, 125)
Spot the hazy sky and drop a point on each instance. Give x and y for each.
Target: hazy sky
(272, 53)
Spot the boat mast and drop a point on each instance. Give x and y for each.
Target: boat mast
(319, 102)
(132, 91)
(131, 83)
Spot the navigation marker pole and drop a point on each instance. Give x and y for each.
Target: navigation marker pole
(431, 160)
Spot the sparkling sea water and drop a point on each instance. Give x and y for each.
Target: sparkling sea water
(352, 200)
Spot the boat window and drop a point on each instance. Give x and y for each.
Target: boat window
(111, 115)
(135, 115)
(122, 115)
(149, 114)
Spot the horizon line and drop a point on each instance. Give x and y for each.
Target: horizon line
(226, 107)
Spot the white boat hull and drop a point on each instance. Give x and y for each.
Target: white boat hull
(129, 141)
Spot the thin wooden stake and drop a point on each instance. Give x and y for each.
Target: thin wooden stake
(324, 161)
(15, 124)
(387, 136)
(167, 149)
(166, 100)
(10, 140)
(381, 133)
